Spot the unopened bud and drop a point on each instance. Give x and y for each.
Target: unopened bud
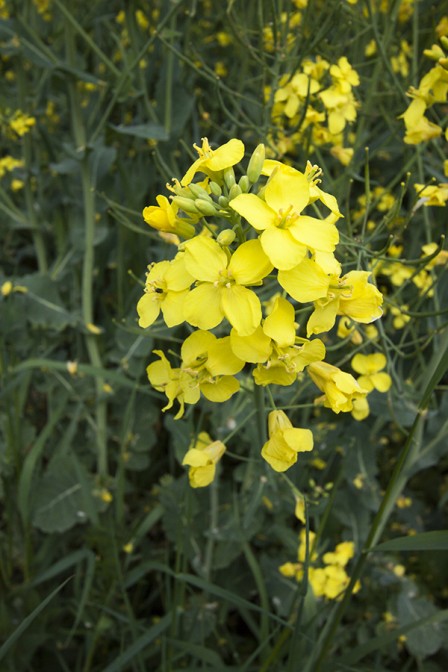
(223, 201)
(444, 63)
(229, 177)
(215, 188)
(434, 53)
(234, 192)
(185, 204)
(226, 237)
(205, 207)
(444, 41)
(199, 192)
(256, 163)
(244, 184)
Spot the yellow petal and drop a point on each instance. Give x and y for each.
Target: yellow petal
(204, 258)
(305, 282)
(323, 317)
(287, 187)
(173, 308)
(282, 249)
(249, 264)
(300, 440)
(279, 324)
(194, 350)
(148, 309)
(254, 348)
(368, 364)
(221, 389)
(221, 358)
(317, 234)
(256, 211)
(227, 155)
(202, 307)
(242, 308)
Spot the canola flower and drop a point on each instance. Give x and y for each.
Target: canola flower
(330, 579)
(244, 233)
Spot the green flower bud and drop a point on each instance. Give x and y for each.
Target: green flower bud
(244, 184)
(256, 163)
(199, 192)
(229, 177)
(215, 188)
(206, 207)
(226, 237)
(223, 201)
(185, 204)
(234, 192)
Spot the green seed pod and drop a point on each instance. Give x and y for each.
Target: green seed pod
(215, 188)
(205, 207)
(244, 184)
(256, 163)
(223, 201)
(226, 237)
(234, 192)
(229, 177)
(185, 204)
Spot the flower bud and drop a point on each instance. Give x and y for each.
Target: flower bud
(205, 207)
(256, 163)
(199, 192)
(185, 204)
(434, 53)
(244, 184)
(229, 177)
(226, 237)
(234, 192)
(215, 188)
(223, 201)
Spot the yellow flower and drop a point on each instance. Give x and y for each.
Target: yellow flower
(166, 289)
(208, 366)
(213, 162)
(432, 195)
(21, 123)
(370, 367)
(202, 457)
(352, 296)
(340, 389)
(285, 441)
(163, 217)
(341, 554)
(221, 291)
(286, 234)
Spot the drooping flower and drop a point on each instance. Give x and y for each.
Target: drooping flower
(285, 442)
(339, 388)
(352, 296)
(202, 458)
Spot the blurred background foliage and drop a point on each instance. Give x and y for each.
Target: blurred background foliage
(108, 560)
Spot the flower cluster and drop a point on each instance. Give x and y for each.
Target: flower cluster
(313, 106)
(253, 253)
(329, 580)
(432, 89)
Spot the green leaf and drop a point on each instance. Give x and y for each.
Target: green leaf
(12, 639)
(426, 639)
(425, 541)
(145, 131)
(139, 645)
(60, 502)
